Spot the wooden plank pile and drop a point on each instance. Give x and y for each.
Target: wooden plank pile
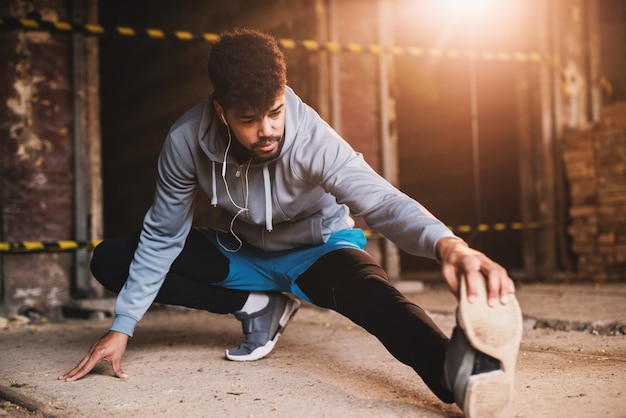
(595, 165)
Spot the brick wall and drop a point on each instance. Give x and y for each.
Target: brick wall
(595, 164)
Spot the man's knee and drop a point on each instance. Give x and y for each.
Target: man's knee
(107, 267)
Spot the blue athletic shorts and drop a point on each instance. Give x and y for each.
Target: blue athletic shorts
(254, 269)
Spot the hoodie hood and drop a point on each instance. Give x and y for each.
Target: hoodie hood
(211, 127)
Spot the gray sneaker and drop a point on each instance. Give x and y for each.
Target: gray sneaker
(263, 328)
(481, 357)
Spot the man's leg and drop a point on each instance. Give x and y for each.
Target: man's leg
(479, 362)
(353, 284)
(187, 283)
(190, 283)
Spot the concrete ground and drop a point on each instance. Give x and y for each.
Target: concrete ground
(572, 363)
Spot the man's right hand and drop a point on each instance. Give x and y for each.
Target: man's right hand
(110, 347)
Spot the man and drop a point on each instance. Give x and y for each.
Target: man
(288, 184)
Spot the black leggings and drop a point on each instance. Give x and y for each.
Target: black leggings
(347, 281)
(188, 282)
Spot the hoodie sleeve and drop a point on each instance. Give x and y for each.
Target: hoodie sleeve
(165, 229)
(344, 173)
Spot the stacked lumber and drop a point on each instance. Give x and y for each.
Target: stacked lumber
(595, 165)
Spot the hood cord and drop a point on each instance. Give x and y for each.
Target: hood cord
(268, 196)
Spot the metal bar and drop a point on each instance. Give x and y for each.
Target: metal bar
(335, 102)
(546, 246)
(592, 30)
(528, 197)
(81, 257)
(388, 139)
(475, 137)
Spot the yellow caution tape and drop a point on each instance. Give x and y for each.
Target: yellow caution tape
(354, 47)
(311, 45)
(94, 29)
(8, 22)
(63, 26)
(155, 33)
(287, 43)
(67, 245)
(46, 246)
(210, 37)
(500, 226)
(125, 31)
(29, 23)
(333, 46)
(183, 35)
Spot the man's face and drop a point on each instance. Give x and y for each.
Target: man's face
(261, 134)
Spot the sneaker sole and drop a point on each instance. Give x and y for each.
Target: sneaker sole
(291, 309)
(496, 331)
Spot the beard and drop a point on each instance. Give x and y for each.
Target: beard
(261, 157)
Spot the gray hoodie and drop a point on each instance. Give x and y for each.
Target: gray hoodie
(299, 198)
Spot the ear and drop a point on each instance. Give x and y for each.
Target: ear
(220, 111)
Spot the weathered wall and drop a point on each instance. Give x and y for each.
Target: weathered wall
(35, 157)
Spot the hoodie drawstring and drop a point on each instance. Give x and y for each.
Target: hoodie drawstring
(268, 198)
(213, 185)
(267, 185)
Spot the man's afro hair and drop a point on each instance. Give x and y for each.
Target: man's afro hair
(247, 70)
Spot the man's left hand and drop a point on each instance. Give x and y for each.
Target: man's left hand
(458, 260)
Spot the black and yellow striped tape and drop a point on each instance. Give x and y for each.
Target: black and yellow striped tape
(8, 22)
(66, 245)
(46, 246)
(513, 226)
(311, 45)
(466, 229)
